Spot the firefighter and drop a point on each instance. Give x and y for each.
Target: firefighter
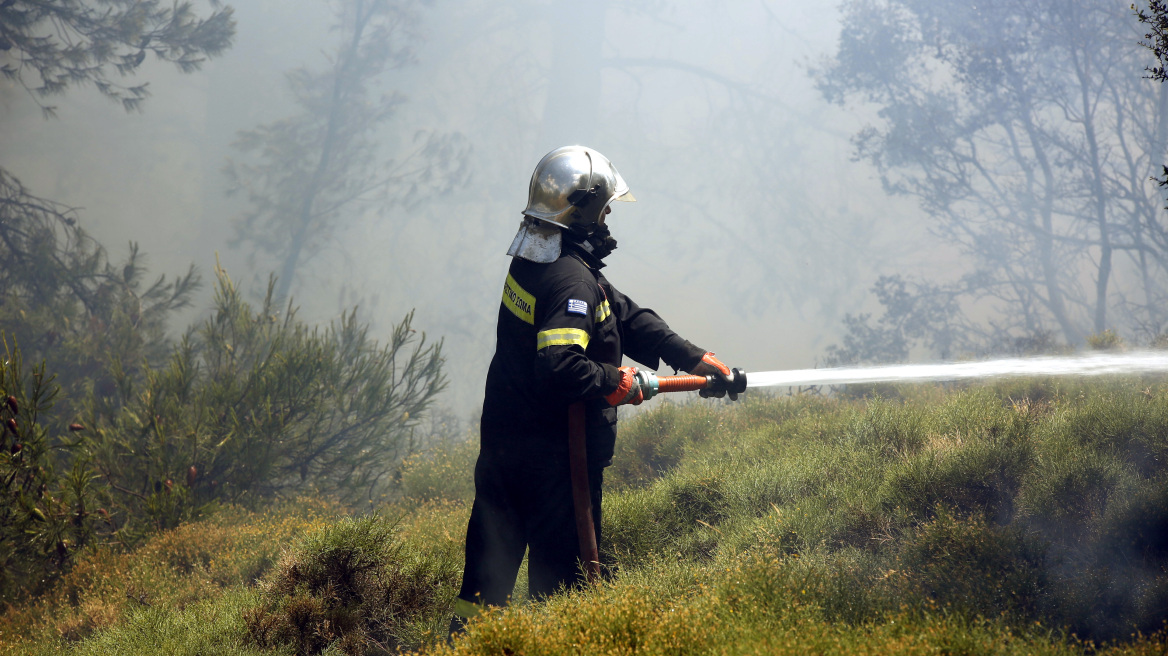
(562, 331)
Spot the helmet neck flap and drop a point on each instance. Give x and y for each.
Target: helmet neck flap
(570, 189)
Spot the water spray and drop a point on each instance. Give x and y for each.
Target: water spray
(1093, 364)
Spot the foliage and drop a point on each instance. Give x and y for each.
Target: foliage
(439, 473)
(206, 626)
(245, 408)
(356, 589)
(64, 301)
(973, 566)
(44, 515)
(913, 313)
(252, 406)
(1155, 20)
(900, 504)
(69, 42)
(1155, 17)
(757, 606)
(1108, 340)
(1026, 132)
(919, 315)
(656, 442)
(309, 173)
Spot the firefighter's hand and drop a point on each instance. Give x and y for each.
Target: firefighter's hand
(628, 391)
(712, 366)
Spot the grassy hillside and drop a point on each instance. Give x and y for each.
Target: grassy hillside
(1029, 517)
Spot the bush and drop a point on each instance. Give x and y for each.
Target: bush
(45, 515)
(892, 429)
(974, 567)
(206, 626)
(1108, 340)
(251, 407)
(977, 455)
(1069, 485)
(442, 473)
(353, 587)
(916, 503)
(795, 525)
(655, 442)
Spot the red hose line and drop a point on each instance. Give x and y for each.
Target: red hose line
(581, 494)
(681, 383)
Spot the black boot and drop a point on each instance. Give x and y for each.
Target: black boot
(457, 628)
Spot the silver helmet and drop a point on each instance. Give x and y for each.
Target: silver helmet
(570, 189)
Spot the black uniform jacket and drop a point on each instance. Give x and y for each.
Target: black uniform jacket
(562, 331)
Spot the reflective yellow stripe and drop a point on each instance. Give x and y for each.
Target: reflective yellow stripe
(562, 337)
(603, 311)
(516, 299)
(467, 609)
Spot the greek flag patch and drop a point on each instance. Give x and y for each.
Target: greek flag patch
(576, 306)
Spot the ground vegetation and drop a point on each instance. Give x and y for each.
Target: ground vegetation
(1023, 517)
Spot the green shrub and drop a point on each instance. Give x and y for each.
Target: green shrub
(975, 467)
(442, 473)
(251, 407)
(974, 567)
(892, 429)
(954, 521)
(355, 588)
(1108, 340)
(207, 626)
(655, 441)
(66, 303)
(1114, 580)
(1135, 526)
(46, 514)
(1069, 485)
(677, 519)
(1123, 423)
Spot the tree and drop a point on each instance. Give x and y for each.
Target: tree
(59, 290)
(1155, 17)
(914, 313)
(72, 42)
(1025, 133)
(62, 299)
(1156, 20)
(311, 171)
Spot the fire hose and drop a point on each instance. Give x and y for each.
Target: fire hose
(651, 385)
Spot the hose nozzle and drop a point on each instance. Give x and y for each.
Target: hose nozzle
(651, 384)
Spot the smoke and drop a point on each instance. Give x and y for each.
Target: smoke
(752, 212)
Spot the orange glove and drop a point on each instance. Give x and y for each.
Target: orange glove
(629, 390)
(712, 366)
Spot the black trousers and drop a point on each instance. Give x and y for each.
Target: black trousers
(523, 502)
